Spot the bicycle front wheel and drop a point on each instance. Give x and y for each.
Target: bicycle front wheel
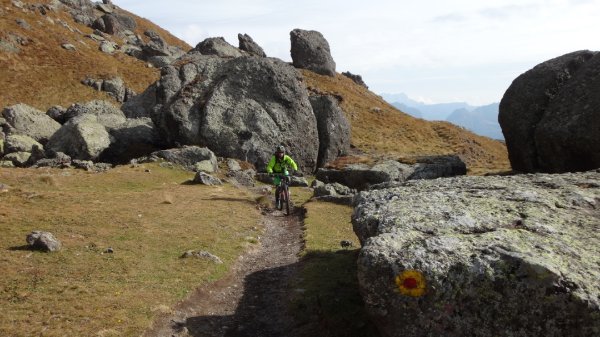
(278, 197)
(286, 193)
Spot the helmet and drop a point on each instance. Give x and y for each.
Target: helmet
(280, 149)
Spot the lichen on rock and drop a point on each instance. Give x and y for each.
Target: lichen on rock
(516, 254)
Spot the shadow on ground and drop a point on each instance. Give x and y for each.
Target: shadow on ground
(322, 299)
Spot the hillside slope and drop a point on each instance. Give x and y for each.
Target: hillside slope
(35, 69)
(381, 130)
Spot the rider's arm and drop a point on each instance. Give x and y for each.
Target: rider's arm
(291, 163)
(271, 164)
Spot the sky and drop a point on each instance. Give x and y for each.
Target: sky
(435, 51)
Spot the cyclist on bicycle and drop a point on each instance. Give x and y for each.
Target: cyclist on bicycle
(279, 164)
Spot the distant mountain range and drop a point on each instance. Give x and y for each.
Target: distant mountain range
(482, 120)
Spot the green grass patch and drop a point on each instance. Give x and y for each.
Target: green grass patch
(327, 289)
(83, 291)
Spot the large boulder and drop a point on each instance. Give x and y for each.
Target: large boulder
(188, 156)
(311, 51)
(21, 143)
(134, 138)
(82, 137)
(240, 107)
(82, 11)
(431, 167)
(106, 113)
(482, 256)
(549, 115)
(568, 136)
(333, 127)
(363, 176)
(26, 120)
(115, 87)
(217, 46)
(19, 159)
(247, 44)
(336, 193)
(115, 23)
(140, 105)
(157, 51)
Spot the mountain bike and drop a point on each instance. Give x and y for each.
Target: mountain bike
(282, 193)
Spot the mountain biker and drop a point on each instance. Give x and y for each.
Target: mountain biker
(279, 164)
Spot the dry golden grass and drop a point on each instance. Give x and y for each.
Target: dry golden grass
(328, 275)
(144, 24)
(344, 161)
(44, 74)
(380, 130)
(82, 291)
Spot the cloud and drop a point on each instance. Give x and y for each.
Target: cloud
(504, 12)
(454, 17)
(192, 32)
(437, 48)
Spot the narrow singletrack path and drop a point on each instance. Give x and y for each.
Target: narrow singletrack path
(252, 300)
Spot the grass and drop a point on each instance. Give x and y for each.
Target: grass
(83, 291)
(381, 131)
(53, 75)
(328, 285)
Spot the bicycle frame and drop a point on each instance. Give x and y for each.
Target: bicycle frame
(282, 193)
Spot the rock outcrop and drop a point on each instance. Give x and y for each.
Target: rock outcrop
(188, 156)
(482, 256)
(431, 167)
(335, 192)
(82, 137)
(217, 46)
(134, 138)
(108, 19)
(57, 113)
(390, 173)
(550, 115)
(114, 23)
(156, 51)
(333, 128)
(240, 107)
(107, 114)
(246, 43)
(82, 11)
(311, 51)
(26, 120)
(363, 176)
(115, 87)
(355, 78)
(21, 143)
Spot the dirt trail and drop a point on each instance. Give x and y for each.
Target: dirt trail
(251, 300)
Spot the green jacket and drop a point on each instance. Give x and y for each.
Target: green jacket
(281, 166)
